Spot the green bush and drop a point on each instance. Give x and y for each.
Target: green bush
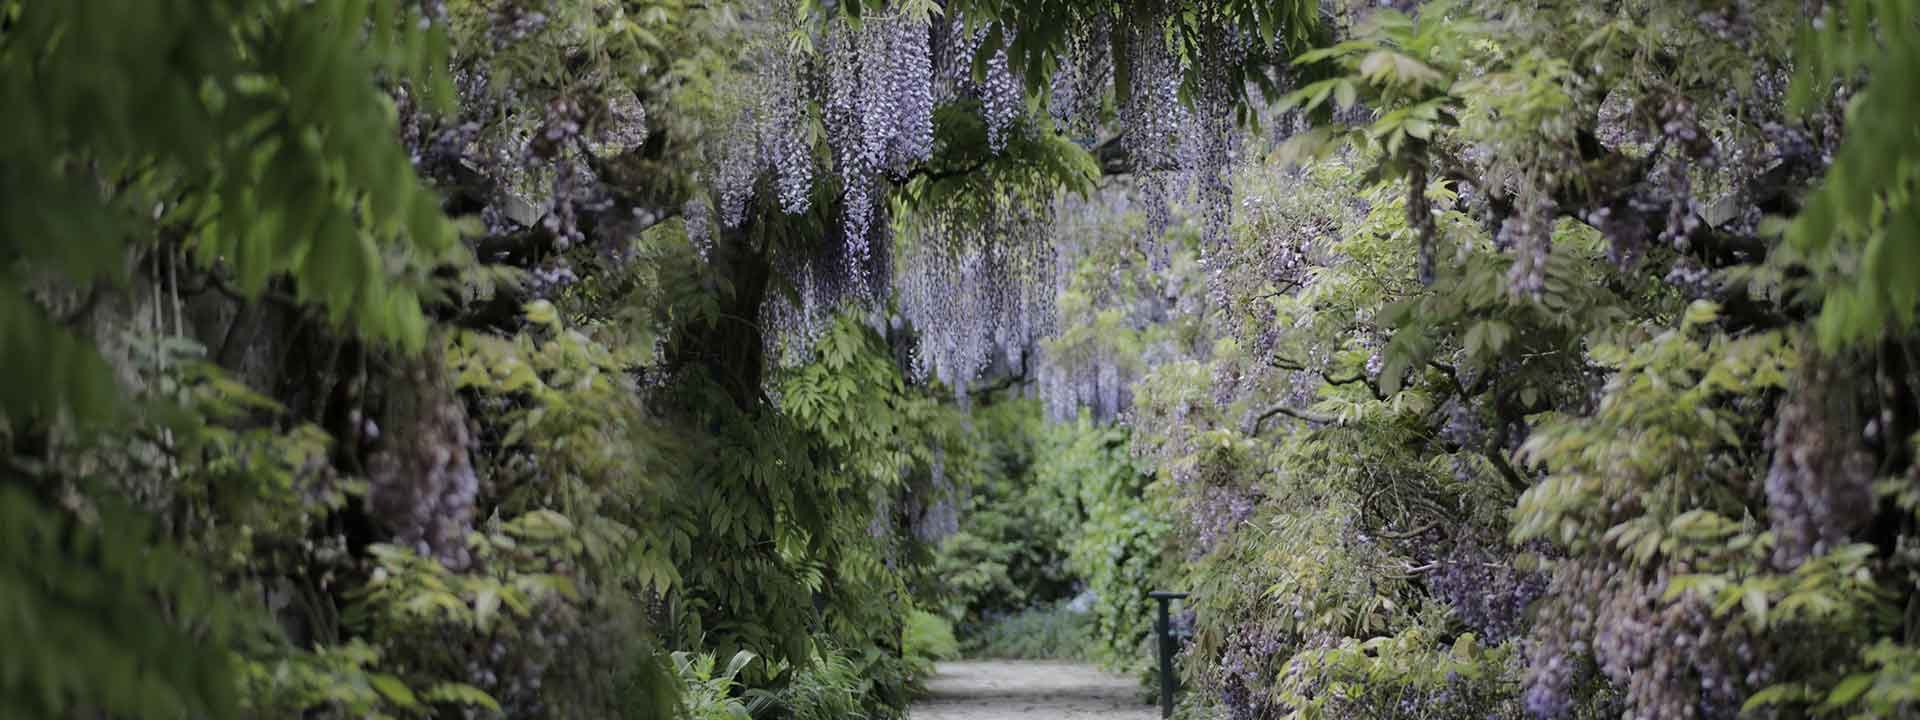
(929, 638)
(1010, 551)
(830, 688)
(1120, 539)
(1412, 675)
(1052, 632)
(1066, 507)
(710, 694)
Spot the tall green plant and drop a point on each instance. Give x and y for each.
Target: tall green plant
(1860, 228)
(256, 134)
(1119, 534)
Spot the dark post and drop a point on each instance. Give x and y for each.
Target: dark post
(1163, 629)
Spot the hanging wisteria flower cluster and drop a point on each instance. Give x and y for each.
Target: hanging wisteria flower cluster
(767, 138)
(976, 282)
(1207, 144)
(824, 281)
(873, 84)
(1091, 370)
(1182, 148)
(971, 285)
(997, 91)
(1080, 84)
(1151, 115)
(878, 112)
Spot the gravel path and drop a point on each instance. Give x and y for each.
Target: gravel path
(1036, 690)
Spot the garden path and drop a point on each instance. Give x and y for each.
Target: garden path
(1029, 690)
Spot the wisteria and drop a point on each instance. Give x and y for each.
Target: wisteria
(1151, 116)
(1246, 670)
(878, 111)
(1083, 370)
(973, 285)
(825, 281)
(930, 510)
(936, 510)
(909, 48)
(697, 214)
(1080, 84)
(1486, 593)
(1000, 99)
(767, 137)
(1097, 386)
(783, 144)
(516, 23)
(1820, 485)
(1206, 144)
(422, 484)
(1487, 359)
(1215, 514)
(1528, 234)
(874, 85)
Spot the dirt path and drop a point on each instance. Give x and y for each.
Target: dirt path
(1039, 690)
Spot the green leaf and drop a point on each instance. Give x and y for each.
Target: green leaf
(738, 663)
(393, 690)
(1771, 695)
(485, 607)
(541, 312)
(1466, 647)
(1848, 690)
(541, 525)
(1754, 600)
(461, 694)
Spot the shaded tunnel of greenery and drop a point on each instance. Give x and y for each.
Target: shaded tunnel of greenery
(745, 358)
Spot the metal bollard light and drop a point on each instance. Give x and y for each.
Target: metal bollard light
(1163, 629)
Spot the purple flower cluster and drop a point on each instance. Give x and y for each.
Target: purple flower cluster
(977, 290)
(1215, 513)
(421, 483)
(1486, 592)
(1820, 485)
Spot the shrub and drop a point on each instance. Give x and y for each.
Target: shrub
(1052, 632)
(1120, 546)
(929, 638)
(1010, 551)
(831, 687)
(709, 695)
(1073, 510)
(1412, 675)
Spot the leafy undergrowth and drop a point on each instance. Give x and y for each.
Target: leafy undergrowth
(929, 638)
(831, 685)
(1048, 632)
